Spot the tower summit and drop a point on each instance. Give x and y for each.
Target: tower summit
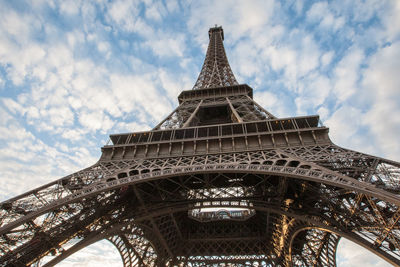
(216, 71)
(220, 181)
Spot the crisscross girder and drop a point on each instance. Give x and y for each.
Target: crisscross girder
(216, 71)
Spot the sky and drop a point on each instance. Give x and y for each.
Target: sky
(73, 72)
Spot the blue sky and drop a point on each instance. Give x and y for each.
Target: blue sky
(73, 72)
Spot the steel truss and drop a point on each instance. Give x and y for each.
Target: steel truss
(276, 183)
(216, 71)
(242, 107)
(278, 191)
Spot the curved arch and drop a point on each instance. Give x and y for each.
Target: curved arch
(312, 224)
(315, 174)
(115, 235)
(259, 207)
(322, 255)
(315, 225)
(142, 253)
(152, 176)
(350, 236)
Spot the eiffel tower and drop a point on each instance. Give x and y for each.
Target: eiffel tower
(219, 182)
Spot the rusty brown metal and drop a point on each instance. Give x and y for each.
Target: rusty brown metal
(216, 71)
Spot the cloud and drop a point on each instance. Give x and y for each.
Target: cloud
(134, 93)
(172, 6)
(352, 254)
(173, 84)
(320, 13)
(74, 134)
(313, 92)
(382, 82)
(12, 25)
(267, 99)
(95, 121)
(127, 127)
(70, 8)
(155, 10)
(13, 106)
(326, 58)
(345, 121)
(102, 253)
(27, 162)
(12, 131)
(164, 46)
(124, 14)
(347, 74)
(256, 14)
(391, 19)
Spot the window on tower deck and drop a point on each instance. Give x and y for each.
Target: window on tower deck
(222, 213)
(214, 115)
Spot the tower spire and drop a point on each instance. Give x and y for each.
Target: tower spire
(216, 71)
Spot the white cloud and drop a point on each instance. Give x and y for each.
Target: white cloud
(123, 127)
(134, 93)
(13, 106)
(12, 131)
(103, 47)
(347, 129)
(308, 56)
(347, 74)
(326, 58)
(13, 25)
(391, 19)
(248, 63)
(167, 46)
(352, 254)
(22, 61)
(267, 100)
(60, 55)
(323, 113)
(59, 116)
(74, 134)
(297, 56)
(102, 253)
(75, 37)
(95, 121)
(155, 10)
(70, 8)
(172, 84)
(124, 14)
(382, 82)
(27, 162)
(240, 19)
(172, 6)
(313, 91)
(359, 10)
(321, 13)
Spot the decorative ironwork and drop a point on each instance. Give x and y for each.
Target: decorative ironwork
(220, 181)
(216, 71)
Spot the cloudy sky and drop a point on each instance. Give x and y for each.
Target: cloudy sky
(73, 72)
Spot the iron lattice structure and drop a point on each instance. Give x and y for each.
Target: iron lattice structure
(219, 182)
